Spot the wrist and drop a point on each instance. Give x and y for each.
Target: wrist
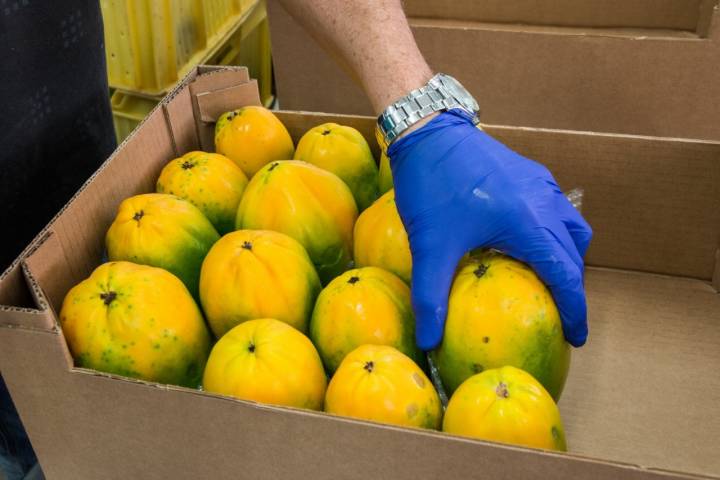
(414, 110)
(419, 124)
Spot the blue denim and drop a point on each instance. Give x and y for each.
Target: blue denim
(16, 454)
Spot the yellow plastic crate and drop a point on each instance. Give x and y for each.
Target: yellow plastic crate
(249, 46)
(151, 44)
(128, 111)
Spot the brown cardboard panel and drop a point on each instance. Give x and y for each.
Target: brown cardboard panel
(213, 104)
(13, 290)
(569, 79)
(654, 204)
(181, 123)
(31, 319)
(606, 32)
(46, 263)
(643, 382)
(640, 392)
(212, 78)
(666, 14)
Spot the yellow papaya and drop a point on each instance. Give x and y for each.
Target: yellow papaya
(137, 321)
(257, 274)
(343, 151)
(210, 181)
(380, 239)
(506, 405)
(252, 137)
(500, 313)
(311, 205)
(267, 361)
(363, 306)
(379, 383)
(163, 231)
(385, 179)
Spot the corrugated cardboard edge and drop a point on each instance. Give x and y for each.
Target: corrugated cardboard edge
(674, 15)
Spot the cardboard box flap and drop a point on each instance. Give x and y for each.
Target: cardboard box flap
(44, 270)
(37, 313)
(688, 15)
(211, 78)
(639, 81)
(181, 122)
(13, 289)
(213, 93)
(211, 104)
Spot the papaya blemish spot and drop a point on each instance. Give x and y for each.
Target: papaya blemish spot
(108, 297)
(353, 280)
(480, 270)
(502, 390)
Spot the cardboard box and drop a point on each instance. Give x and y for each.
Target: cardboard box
(641, 400)
(646, 67)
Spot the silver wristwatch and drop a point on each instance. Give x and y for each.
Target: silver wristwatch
(441, 93)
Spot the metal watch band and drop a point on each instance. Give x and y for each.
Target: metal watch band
(418, 104)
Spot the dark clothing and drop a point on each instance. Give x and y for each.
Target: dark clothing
(55, 130)
(55, 125)
(16, 453)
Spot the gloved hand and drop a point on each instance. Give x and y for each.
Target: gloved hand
(457, 189)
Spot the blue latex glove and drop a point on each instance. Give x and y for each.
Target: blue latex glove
(457, 189)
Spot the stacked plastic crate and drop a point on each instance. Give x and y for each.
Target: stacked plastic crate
(151, 44)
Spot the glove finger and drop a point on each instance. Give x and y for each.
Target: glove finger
(557, 229)
(432, 275)
(578, 228)
(561, 275)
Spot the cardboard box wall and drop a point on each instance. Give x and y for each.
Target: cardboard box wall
(641, 400)
(647, 67)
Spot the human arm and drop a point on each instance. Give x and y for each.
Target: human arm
(456, 187)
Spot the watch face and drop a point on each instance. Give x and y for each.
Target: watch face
(459, 92)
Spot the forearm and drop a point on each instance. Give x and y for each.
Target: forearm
(372, 39)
